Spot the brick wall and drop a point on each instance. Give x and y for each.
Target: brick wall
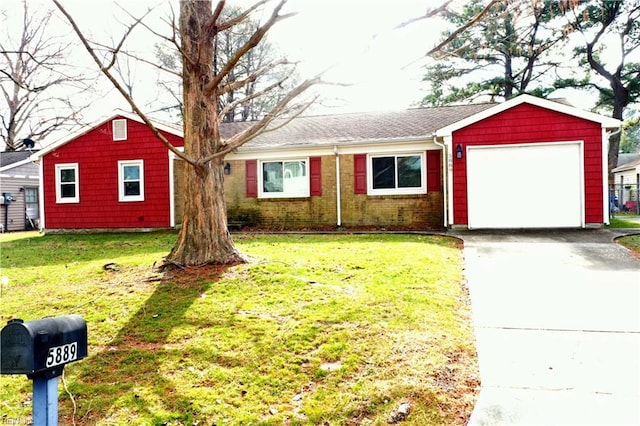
(410, 211)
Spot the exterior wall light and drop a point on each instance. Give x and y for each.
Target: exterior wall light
(227, 169)
(458, 151)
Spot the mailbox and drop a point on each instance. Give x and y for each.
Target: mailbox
(42, 347)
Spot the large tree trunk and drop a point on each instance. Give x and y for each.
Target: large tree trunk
(620, 102)
(204, 237)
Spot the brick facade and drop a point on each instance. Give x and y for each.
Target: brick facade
(396, 211)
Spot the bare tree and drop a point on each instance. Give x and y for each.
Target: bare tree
(204, 238)
(36, 81)
(242, 105)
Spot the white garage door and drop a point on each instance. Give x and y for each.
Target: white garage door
(525, 186)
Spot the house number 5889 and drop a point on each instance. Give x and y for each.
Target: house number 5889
(62, 354)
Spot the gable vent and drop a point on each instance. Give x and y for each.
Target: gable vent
(119, 130)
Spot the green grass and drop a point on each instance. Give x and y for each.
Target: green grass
(620, 222)
(314, 329)
(632, 242)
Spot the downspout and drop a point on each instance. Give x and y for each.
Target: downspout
(338, 208)
(41, 193)
(605, 173)
(445, 186)
(172, 203)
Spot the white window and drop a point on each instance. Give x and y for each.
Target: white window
(396, 174)
(289, 178)
(67, 188)
(131, 180)
(119, 129)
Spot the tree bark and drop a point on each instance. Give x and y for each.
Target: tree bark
(204, 237)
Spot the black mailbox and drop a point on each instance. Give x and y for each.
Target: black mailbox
(42, 347)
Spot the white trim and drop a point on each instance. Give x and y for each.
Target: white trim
(9, 176)
(348, 148)
(422, 189)
(122, 197)
(605, 122)
(119, 129)
(338, 188)
(86, 129)
(41, 193)
(67, 166)
(605, 178)
(448, 140)
(172, 203)
(445, 180)
(266, 195)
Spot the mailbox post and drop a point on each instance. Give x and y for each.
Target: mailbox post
(40, 349)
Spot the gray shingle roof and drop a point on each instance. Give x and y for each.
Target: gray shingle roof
(9, 157)
(358, 127)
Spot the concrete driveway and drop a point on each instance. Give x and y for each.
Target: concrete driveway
(557, 324)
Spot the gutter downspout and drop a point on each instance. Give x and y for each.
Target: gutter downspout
(445, 186)
(338, 207)
(605, 174)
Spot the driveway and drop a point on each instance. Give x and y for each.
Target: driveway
(557, 325)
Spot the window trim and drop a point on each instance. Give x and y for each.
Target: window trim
(422, 189)
(115, 130)
(122, 197)
(67, 200)
(263, 194)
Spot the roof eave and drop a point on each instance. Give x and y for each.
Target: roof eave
(86, 129)
(607, 123)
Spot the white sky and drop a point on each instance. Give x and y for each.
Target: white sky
(355, 37)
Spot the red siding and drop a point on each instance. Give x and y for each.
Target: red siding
(97, 156)
(315, 176)
(360, 173)
(527, 123)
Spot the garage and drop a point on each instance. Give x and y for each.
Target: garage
(535, 185)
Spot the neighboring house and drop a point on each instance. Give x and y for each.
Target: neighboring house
(524, 163)
(627, 183)
(19, 180)
(111, 175)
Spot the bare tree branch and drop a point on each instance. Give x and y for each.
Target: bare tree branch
(118, 86)
(462, 28)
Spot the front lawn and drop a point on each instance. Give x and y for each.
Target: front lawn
(632, 242)
(314, 329)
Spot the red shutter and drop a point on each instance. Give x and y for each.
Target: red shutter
(434, 175)
(315, 175)
(360, 173)
(252, 178)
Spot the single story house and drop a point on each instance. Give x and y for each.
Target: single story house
(524, 163)
(19, 199)
(627, 183)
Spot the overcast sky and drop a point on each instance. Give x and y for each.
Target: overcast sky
(356, 37)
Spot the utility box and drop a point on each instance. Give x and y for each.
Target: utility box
(6, 198)
(42, 347)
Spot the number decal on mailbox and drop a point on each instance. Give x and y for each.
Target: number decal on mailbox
(62, 354)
